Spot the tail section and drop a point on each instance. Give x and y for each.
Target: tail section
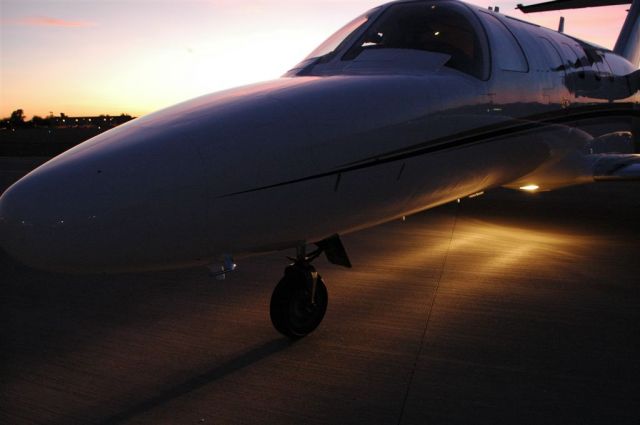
(628, 44)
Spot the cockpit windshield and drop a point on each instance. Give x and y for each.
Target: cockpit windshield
(441, 27)
(332, 43)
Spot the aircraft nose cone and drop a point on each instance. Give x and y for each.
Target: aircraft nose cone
(11, 235)
(34, 222)
(126, 201)
(17, 207)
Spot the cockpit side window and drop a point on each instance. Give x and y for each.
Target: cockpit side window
(440, 28)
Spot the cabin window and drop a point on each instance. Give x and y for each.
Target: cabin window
(446, 28)
(595, 58)
(553, 58)
(604, 71)
(574, 62)
(504, 46)
(618, 65)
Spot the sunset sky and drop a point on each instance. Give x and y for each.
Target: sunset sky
(89, 57)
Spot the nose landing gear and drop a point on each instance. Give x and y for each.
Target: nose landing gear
(299, 302)
(300, 299)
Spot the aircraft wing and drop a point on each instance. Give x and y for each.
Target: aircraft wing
(612, 167)
(568, 4)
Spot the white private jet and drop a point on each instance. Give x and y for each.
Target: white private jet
(411, 105)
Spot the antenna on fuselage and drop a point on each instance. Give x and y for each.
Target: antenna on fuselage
(561, 24)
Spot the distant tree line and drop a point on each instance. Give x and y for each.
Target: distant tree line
(17, 121)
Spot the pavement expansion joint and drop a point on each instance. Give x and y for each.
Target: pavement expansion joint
(429, 312)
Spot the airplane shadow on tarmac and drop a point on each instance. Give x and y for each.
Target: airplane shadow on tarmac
(244, 360)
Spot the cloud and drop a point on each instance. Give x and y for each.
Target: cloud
(48, 21)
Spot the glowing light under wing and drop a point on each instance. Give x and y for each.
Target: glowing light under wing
(530, 187)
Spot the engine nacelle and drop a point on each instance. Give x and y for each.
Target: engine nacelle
(620, 142)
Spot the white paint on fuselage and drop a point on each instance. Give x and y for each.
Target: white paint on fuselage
(150, 194)
(277, 164)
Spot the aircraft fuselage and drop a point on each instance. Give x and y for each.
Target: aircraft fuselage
(335, 146)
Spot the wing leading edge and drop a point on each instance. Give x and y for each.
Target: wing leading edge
(611, 167)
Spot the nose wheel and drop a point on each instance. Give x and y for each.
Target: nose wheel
(299, 302)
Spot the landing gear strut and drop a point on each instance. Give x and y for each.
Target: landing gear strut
(299, 302)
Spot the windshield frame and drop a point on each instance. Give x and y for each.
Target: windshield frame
(464, 10)
(334, 43)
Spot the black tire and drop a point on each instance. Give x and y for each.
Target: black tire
(292, 312)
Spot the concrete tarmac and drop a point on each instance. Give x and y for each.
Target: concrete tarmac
(509, 308)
